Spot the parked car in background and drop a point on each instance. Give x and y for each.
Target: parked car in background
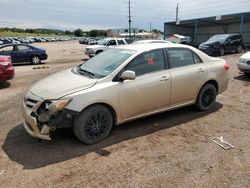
(84, 41)
(122, 84)
(23, 53)
(179, 39)
(150, 41)
(103, 45)
(244, 64)
(9, 41)
(223, 43)
(7, 71)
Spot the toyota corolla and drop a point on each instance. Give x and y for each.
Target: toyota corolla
(122, 84)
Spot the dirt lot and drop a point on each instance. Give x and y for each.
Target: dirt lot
(172, 149)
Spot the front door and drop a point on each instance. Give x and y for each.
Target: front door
(150, 91)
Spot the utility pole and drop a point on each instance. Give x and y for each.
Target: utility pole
(150, 27)
(177, 14)
(129, 17)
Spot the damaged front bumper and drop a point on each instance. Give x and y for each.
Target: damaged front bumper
(42, 117)
(31, 125)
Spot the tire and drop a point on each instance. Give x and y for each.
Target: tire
(93, 124)
(206, 98)
(239, 49)
(247, 74)
(221, 51)
(35, 60)
(98, 52)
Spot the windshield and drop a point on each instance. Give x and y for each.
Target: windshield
(217, 38)
(106, 62)
(102, 42)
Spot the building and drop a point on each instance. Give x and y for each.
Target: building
(136, 33)
(200, 29)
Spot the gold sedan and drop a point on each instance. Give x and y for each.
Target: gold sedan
(122, 84)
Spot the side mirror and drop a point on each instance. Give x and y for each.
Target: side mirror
(128, 75)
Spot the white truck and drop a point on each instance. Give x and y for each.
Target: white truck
(103, 45)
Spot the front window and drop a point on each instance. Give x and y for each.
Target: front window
(106, 62)
(147, 63)
(7, 49)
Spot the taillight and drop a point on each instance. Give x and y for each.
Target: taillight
(226, 67)
(9, 60)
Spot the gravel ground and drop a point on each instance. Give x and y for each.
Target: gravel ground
(172, 149)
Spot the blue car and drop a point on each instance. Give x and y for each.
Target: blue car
(23, 53)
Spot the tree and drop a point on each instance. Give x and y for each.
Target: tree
(67, 32)
(156, 31)
(78, 33)
(98, 33)
(94, 33)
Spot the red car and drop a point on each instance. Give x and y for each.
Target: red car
(7, 71)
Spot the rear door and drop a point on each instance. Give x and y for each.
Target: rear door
(188, 73)
(150, 90)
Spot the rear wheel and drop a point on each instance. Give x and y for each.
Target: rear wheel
(206, 98)
(35, 60)
(93, 124)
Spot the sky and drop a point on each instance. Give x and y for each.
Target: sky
(109, 14)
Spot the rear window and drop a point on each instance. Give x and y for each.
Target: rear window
(181, 57)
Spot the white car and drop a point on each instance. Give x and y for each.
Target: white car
(244, 63)
(122, 84)
(150, 41)
(179, 39)
(103, 45)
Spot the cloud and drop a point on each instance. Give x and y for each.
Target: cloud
(89, 14)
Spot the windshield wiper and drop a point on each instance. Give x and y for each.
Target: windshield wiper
(90, 74)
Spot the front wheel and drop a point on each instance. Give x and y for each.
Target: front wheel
(206, 98)
(247, 74)
(35, 60)
(93, 124)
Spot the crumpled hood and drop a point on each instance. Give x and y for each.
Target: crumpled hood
(61, 84)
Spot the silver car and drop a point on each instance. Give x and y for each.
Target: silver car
(244, 64)
(122, 84)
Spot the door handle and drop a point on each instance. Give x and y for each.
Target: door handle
(200, 70)
(164, 78)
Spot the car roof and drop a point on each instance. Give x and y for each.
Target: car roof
(151, 41)
(151, 46)
(4, 45)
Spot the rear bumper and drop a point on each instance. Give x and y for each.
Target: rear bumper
(30, 124)
(44, 56)
(8, 74)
